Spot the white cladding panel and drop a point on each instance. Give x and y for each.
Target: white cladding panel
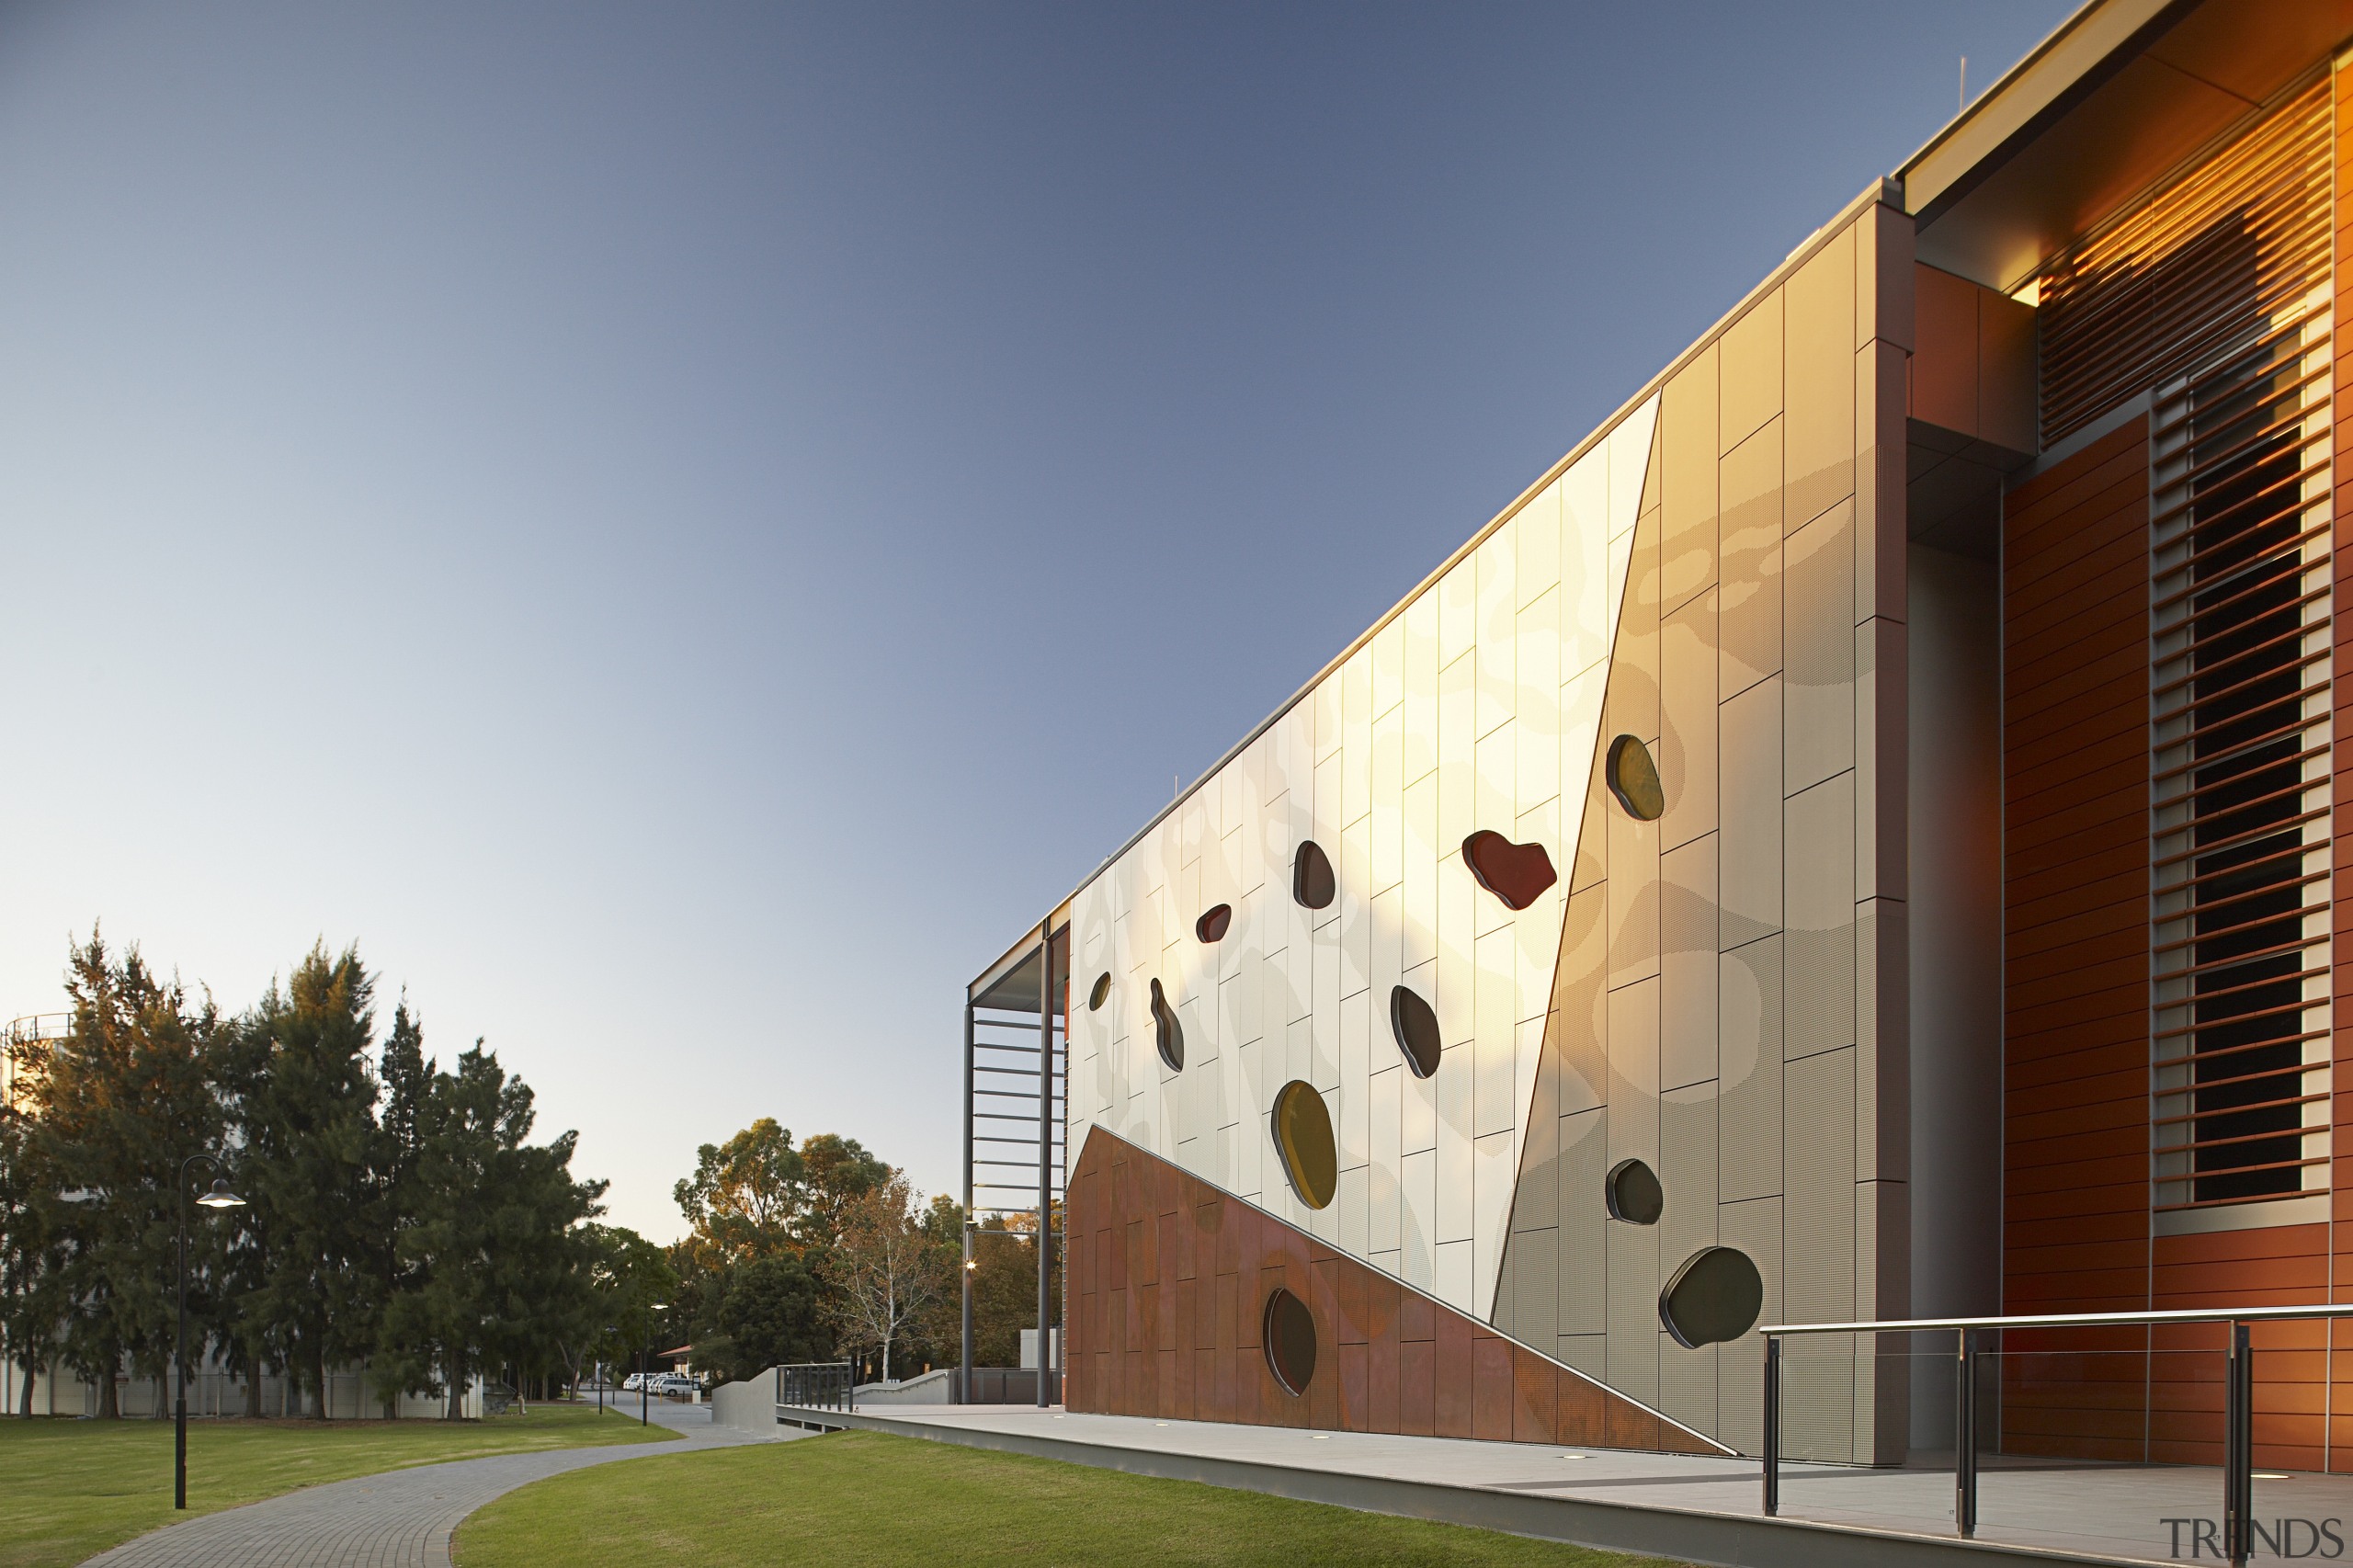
(1474, 708)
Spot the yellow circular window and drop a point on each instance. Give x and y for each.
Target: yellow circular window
(1632, 777)
(1303, 1131)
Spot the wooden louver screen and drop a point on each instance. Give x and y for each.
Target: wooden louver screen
(2237, 349)
(2190, 273)
(2212, 295)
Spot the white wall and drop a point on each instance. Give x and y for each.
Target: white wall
(1474, 708)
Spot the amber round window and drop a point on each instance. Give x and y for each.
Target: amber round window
(1714, 1297)
(1302, 1130)
(1312, 881)
(1210, 927)
(1415, 1027)
(1633, 778)
(1167, 1034)
(1101, 994)
(1289, 1335)
(1632, 1193)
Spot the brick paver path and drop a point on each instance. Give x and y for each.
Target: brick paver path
(401, 1518)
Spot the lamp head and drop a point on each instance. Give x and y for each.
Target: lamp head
(220, 1196)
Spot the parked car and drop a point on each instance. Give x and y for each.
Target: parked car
(634, 1381)
(675, 1384)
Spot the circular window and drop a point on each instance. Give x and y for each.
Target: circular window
(1415, 1027)
(1167, 1033)
(1715, 1296)
(1633, 778)
(1633, 1194)
(1210, 927)
(1302, 1130)
(1289, 1335)
(1516, 873)
(1101, 994)
(1312, 881)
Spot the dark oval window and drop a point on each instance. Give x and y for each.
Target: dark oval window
(1102, 992)
(1715, 1296)
(1288, 1333)
(1312, 881)
(1302, 1130)
(1210, 927)
(1516, 873)
(1168, 1034)
(1632, 1193)
(1632, 777)
(1415, 1027)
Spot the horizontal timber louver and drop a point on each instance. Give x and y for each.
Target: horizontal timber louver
(2214, 297)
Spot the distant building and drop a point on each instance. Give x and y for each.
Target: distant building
(1855, 839)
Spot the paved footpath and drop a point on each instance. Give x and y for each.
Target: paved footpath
(401, 1518)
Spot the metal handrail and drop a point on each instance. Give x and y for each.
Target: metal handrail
(2072, 1319)
(2238, 1395)
(819, 1385)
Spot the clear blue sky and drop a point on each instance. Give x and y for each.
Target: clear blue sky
(682, 530)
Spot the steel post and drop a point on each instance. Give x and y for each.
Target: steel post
(964, 1365)
(2238, 1447)
(1964, 1436)
(1045, 1151)
(1772, 1444)
(179, 1362)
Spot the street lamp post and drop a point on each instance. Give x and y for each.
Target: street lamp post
(644, 1381)
(218, 1198)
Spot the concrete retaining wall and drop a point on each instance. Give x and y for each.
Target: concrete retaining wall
(748, 1406)
(932, 1388)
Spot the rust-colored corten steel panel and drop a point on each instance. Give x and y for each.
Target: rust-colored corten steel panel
(2340, 1260)
(1171, 1277)
(2076, 881)
(2077, 1230)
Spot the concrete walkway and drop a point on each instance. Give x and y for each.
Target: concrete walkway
(1694, 1509)
(401, 1518)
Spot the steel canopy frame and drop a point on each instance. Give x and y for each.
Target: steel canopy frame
(1004, 1117)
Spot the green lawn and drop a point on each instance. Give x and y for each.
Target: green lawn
(71, 1488)
(867, 1500)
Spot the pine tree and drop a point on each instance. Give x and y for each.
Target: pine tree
(311, 1132)
(495, 1246)
(30, 1309)
(408, 1076)
(126, 1098)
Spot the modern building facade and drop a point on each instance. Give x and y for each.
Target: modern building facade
(1854, 840)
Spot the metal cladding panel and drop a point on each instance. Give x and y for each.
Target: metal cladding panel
(1713, 1015)
(1477, 707)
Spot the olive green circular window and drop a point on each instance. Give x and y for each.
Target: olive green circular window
(1167, 1033)
(1102, 992)
(1633, 778)
(1312, 885)
(1303, 1131)
(1632, 1193)
(1715, 1296)
(1289, 1335)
